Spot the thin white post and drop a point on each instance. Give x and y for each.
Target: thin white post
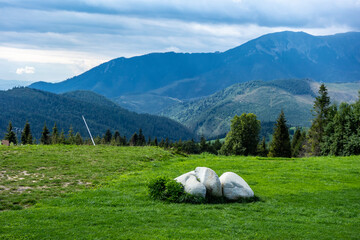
(88, 130)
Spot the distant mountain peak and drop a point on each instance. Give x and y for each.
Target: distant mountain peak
(282, 55)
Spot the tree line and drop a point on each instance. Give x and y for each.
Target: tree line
(335, 130)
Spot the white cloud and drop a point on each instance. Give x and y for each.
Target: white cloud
(26, 70)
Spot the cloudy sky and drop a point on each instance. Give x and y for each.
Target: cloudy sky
(52, 40)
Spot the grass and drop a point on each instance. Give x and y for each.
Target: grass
(312, 198)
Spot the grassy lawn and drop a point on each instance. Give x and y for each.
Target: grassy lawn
(86, 192)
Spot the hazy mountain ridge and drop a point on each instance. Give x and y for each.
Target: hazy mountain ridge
(185, 76)
(211, 115)
(21, 104)
(8, 84)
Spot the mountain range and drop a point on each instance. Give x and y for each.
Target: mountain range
(211, 116)
(153, 82)
(25, 104)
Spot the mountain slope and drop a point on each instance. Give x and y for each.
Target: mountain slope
(211, 115)
(182, 76)
(21, 104)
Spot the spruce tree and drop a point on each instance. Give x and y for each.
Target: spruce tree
(55, 135)
(280, 145)
(10, 134)
(262, 150)
(141, 138)
(134, 140)
(78, 139)
(203, 145)
(26, 137)
(117, 138)
(156, 141)
(45, 138)
(297, 143)
(107, 137)
(62, 139)
(320, 111)
(71, 138)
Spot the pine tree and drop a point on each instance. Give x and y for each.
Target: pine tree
(203, 145)
(320, 111)
(141, 138)
(45, 138)
(149, 141)
(55, 135)
(26, 137)
(297, 143)
(117, 138)
(262, 150)
(71, 137)
(62, 139)
(280, 145)
(217, 145)
(78, 139)
(156, 141)
(10, 135)
(134, 140)
(107, 137)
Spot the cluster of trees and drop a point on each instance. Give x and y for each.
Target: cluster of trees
(334, 131)
(47, 138)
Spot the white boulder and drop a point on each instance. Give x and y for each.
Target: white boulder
(210, 179)
(182, 179)
(194, 187)
(191, 184)
(234, 187)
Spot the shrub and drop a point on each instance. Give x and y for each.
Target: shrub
(157, 187)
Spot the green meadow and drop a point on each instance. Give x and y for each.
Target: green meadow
(87, 192)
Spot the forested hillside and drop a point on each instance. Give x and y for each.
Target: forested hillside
(24, 104)
(211, 115)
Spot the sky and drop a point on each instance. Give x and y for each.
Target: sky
(52, 40)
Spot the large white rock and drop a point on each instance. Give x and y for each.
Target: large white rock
(182, 179)
(210, 179)
(234, 187)
(191, 184)
(194, 187)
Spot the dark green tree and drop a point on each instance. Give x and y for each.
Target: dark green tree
(320, 111)
(141, 138)
(10, 135)
(156, 141)
(71, 137)
(204, 147)
(297, 143)
(134, 140)
(217, 145)
(243, 137)
(280, 145)
(107, 137)
(341, 136)
(62, 139)
(78, 139)
(26, 136)
(45, 137)
(262, 149)
(117, 138)
(55, 135)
